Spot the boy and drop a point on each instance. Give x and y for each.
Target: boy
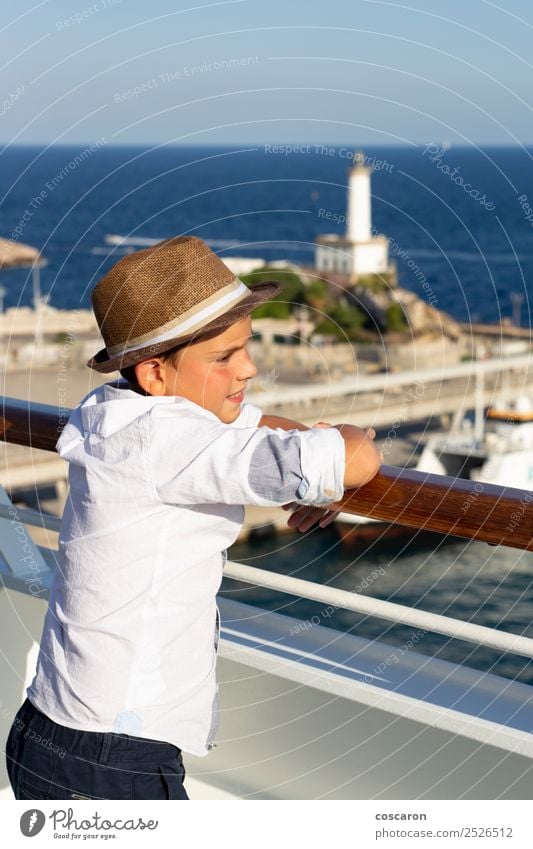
(160, 465)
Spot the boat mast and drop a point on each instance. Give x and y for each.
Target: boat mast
(479, 422)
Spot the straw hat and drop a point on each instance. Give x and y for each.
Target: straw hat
(154, 299)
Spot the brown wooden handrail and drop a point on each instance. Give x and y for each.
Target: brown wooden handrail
(34, 425)
(463, 508)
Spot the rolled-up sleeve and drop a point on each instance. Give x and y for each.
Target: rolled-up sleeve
(196, 459)
(323, 462)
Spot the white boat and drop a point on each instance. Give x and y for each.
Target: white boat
(498, 450)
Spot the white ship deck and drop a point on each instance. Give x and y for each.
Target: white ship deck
(309, 714)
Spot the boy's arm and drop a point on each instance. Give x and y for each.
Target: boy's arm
(363, 459)
(362, 463)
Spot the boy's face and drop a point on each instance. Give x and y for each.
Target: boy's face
(214, 372)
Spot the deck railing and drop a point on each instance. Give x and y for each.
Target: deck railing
(463, 508)
(497, 515)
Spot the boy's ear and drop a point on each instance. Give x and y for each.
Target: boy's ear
(150, 376)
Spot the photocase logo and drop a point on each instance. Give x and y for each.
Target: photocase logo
(32, 822)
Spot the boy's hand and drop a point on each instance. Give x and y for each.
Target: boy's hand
(370, 432)
(304, 516)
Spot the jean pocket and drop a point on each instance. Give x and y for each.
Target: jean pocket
(28, 790)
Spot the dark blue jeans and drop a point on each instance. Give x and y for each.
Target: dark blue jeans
(49, 761)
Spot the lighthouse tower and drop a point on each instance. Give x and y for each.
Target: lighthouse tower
(359, 221)
(358, 252)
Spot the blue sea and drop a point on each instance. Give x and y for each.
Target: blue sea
(459, 218)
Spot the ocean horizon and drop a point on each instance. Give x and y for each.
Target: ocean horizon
(459, 217)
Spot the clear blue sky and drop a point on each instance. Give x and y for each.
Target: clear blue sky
(373, 72)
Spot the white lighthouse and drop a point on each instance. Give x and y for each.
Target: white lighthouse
(358, 252)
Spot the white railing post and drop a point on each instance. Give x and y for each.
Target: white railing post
(20, 553)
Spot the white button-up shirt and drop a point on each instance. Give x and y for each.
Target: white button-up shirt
(157, 486)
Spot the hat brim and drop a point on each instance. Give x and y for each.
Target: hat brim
(259, 293)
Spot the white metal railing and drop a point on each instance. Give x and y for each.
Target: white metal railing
(397, 613)
(372, 383)
(30, 517)
(342, 599)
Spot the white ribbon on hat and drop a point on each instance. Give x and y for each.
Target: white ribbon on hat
(200, 318)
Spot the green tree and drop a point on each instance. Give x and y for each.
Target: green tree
(292, 294)
(272, 309)
(328, 327)
(395, 318)
(317, 295)
(377, 283)
(343, 321)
